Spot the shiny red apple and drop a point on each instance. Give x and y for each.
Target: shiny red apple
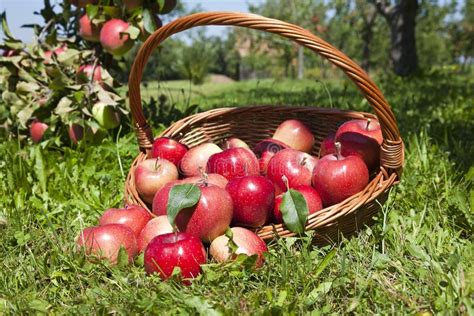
(361, 138)
(234, 142)
(157, 226)
(153, 174)
(113, 37)
(209, 218)
(233, 163)
(37, 130)
(252, 198)
(295, 165)
(134, 217)
(295, 134)
(175, 250)
(248, 243)
(311, 196)
(195, 160)
(169, 149)
(337, 177)
(87, 30)
(105, 241)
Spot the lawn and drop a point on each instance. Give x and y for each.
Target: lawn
(416, 258)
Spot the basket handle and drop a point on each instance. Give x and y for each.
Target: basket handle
(392, 153)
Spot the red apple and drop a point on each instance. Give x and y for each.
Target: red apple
(134, 217)
(327, 145)
(206, 220)
(234, 162)
(49, 54)
(337, 177)
(361, 138)
(175, 250)
(248, 243)
(169, 149)
(37, 130)
(265, 150)
(252, 198)
(157, 226)
(211, 178)
(87, 30)
(310, 195)
(195, 160)
(113, 39)
(234, 142)
(84, 73)
(295, 134)
(105, 241)
(153, 174)
(295, 165)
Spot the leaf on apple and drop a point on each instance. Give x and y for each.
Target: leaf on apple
(181, 196)
(294, 211)
(148, 21)
(133, 31)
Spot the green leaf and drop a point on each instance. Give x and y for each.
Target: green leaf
(315, 294)
(5, 29)
(181, 196)
(133, 31)
(149, 21)
(92, 11)
(324, 263)
(40, 168)
(294, 211)
(122, 258)
(161, 4)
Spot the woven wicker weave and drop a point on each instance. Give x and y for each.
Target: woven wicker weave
(254, 123)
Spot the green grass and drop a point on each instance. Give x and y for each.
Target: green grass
(417, 257)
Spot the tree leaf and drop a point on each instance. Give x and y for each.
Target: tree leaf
(148, 21)
(133, 31)
(181, 196)
(294, 211)
(92, 11)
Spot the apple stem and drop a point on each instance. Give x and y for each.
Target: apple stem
(303, 161)
(204, 176)
(157, 164)
(285, 181)
(368, 123)
(338, 150)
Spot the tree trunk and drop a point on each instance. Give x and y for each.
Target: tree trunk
(402, 21)
(300, 62)
(367, 36)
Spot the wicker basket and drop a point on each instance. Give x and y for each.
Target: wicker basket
(255, 123)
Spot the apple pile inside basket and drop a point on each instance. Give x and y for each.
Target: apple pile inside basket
(197, 194)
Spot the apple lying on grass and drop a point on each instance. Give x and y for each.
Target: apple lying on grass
(134, 217)
(155, 227)
(337, 177)
(247, 243)
(175, 250)
(105, 241)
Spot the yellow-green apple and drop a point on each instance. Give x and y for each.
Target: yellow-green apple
(175, 250)
(252, 198)
(157, 226)
(105, 241)
(295, 165)
(337, 177)
(247, 242)
(195, 160)
(233, 163)
(151, 175)
(113, 37)
(106, 115)
(295, 134)
(209, 218)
